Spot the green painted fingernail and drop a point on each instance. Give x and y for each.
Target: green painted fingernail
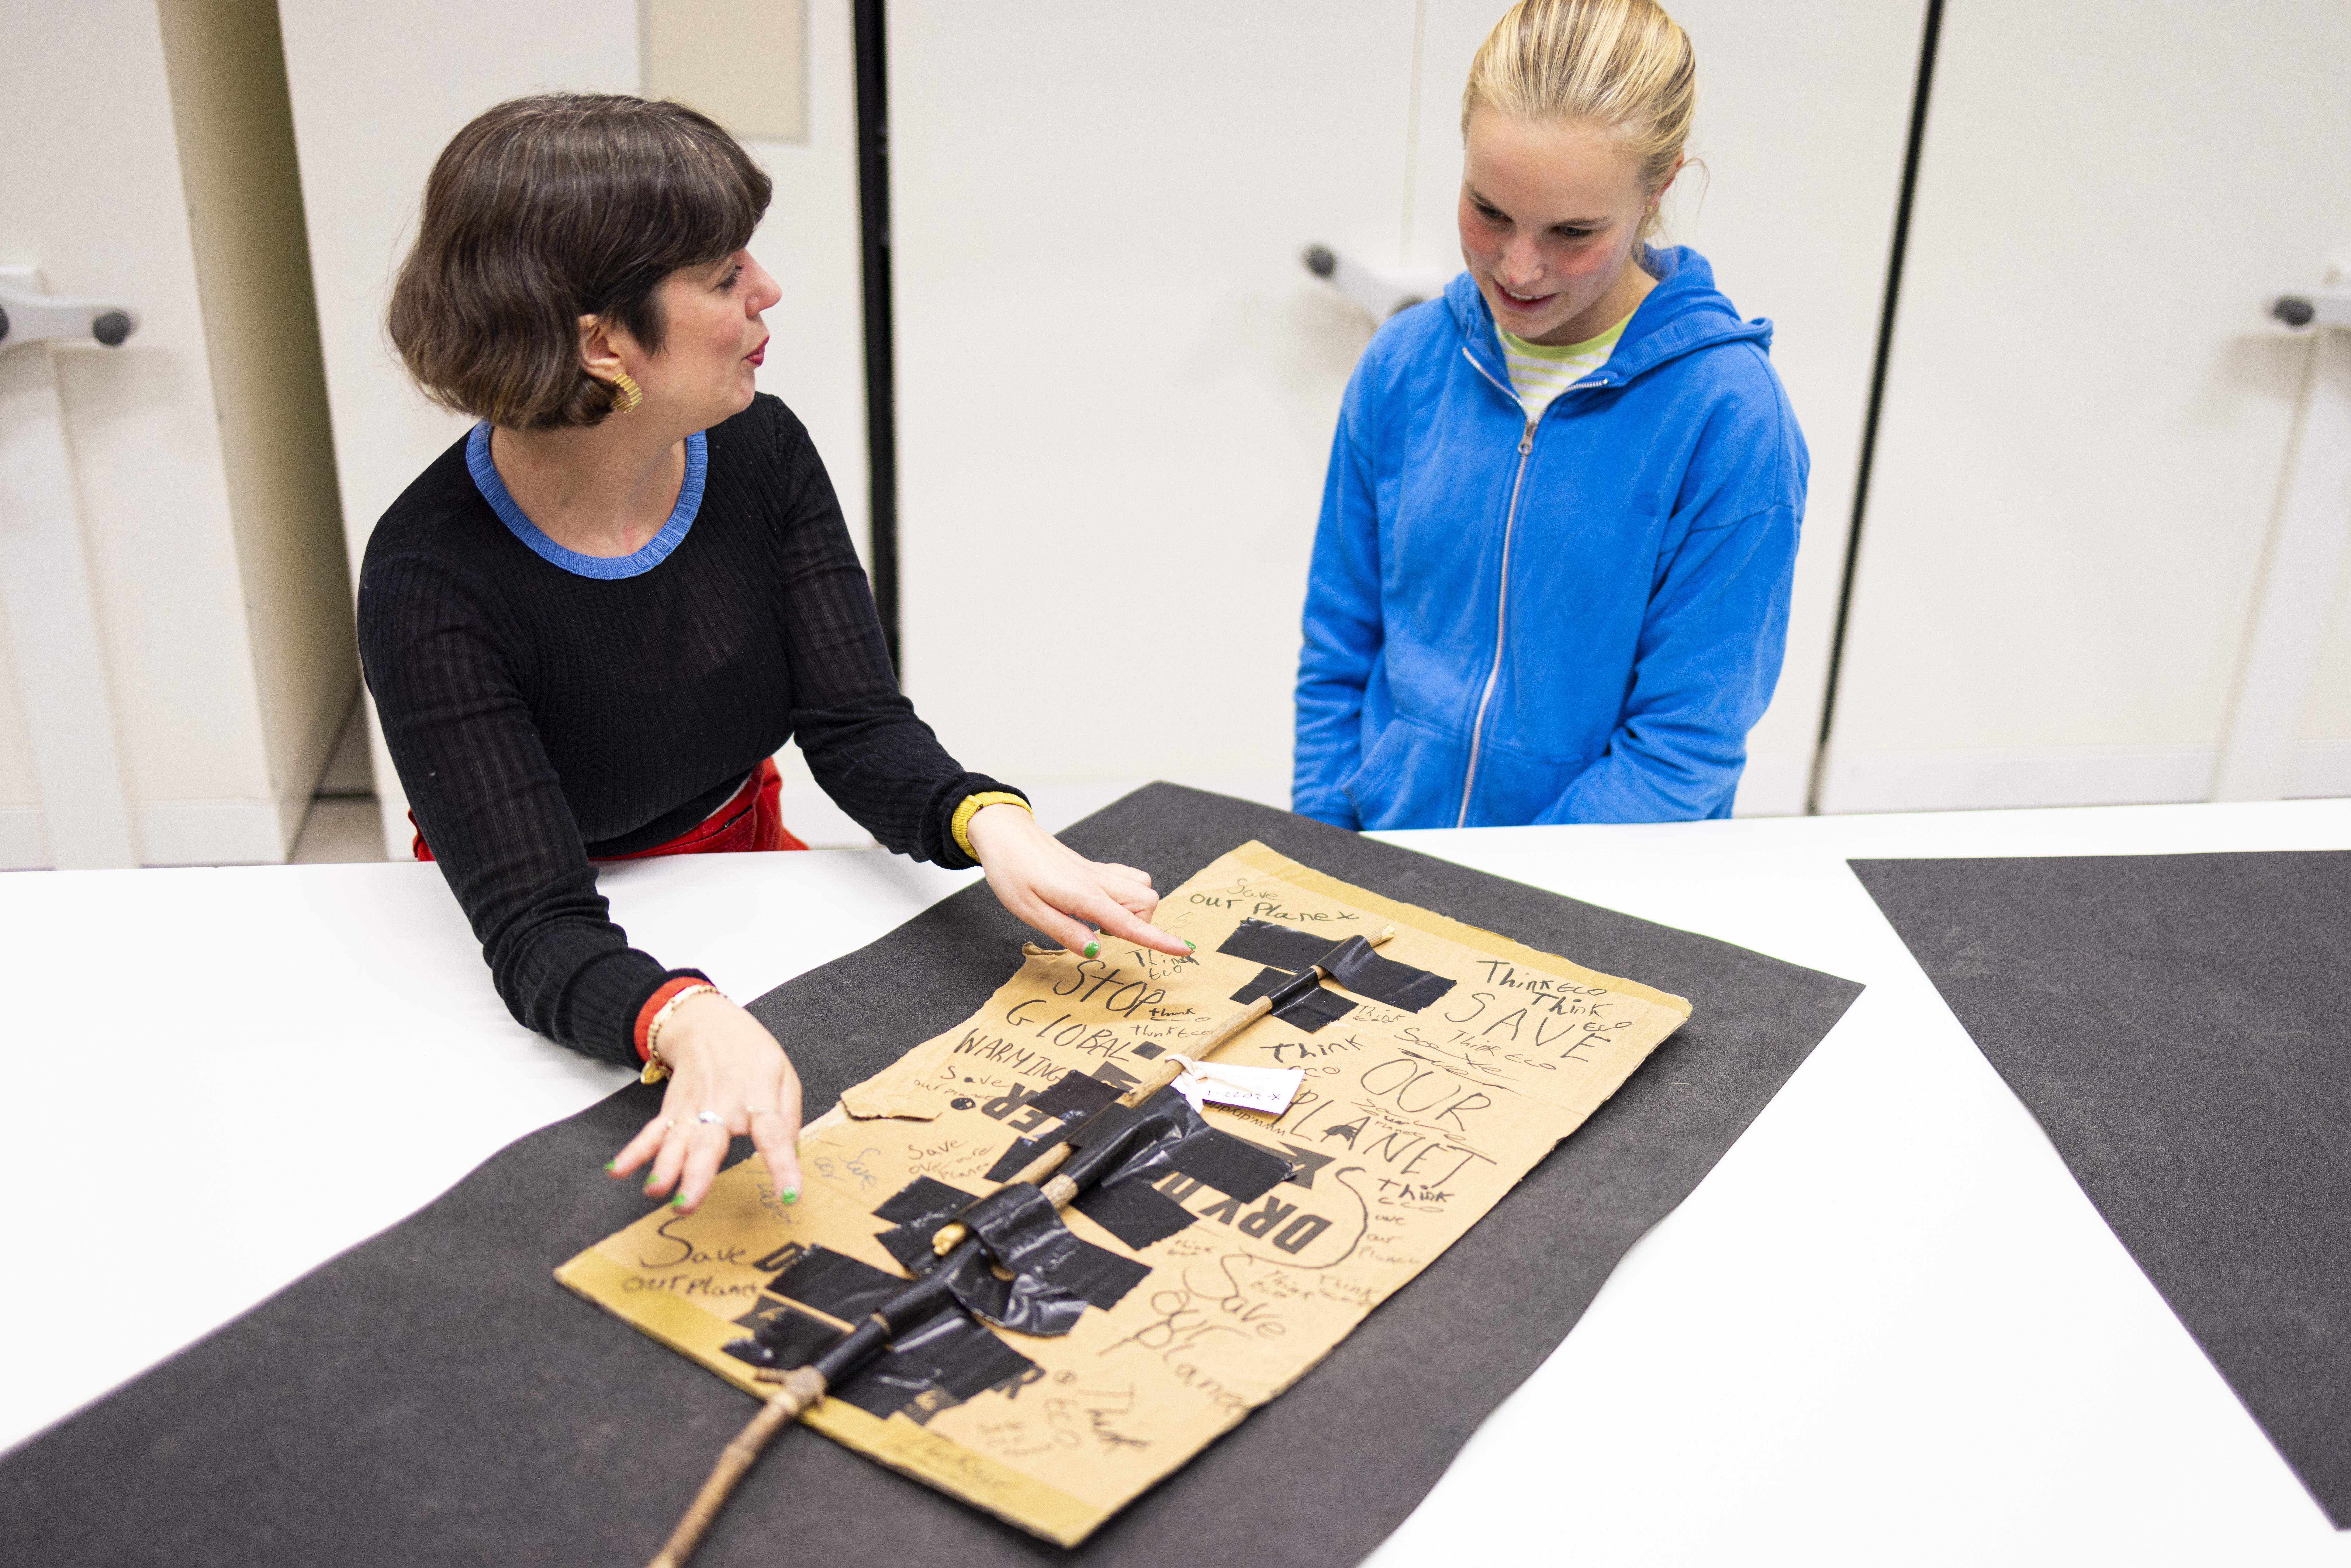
(1092, 949)
(679, 1202)
(609, 1163)
(790, 1195)
(1195, 947)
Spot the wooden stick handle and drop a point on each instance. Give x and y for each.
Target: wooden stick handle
(802, 1387)
(953, 1235)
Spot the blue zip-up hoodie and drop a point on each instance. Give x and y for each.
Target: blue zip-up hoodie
(1576, 620)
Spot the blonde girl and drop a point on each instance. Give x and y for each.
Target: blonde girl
(1550, 579)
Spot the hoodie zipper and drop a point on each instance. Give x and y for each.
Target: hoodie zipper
(1501, 609)
(1502, 594)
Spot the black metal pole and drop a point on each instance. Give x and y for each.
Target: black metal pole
(1929, 36)
(880, 377)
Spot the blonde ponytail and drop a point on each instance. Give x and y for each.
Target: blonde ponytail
(1620, 66)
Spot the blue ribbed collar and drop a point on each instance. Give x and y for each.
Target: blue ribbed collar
(657, 549)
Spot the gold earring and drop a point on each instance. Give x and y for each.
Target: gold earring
(631, 394)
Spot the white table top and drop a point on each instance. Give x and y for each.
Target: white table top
(1888, 1327)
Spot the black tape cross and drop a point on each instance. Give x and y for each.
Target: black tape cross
(1310, 1011)
(1351, 963)
(1055, 1275)
(947, 1360)
(1133, 1211)
(1124, 1202)
(835, 1283)
(1070, 1099)
(920, 1208)
(1094, 1275)
(781, 1336)
(938, 1364)
(970, 1360)
(1234, 1167)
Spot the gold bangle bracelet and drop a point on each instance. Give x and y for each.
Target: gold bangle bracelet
(961, 826)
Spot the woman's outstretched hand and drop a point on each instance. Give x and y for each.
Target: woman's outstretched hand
(1049, 885)
(724, 1061)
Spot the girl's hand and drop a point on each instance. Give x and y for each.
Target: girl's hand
(1049, 885)
(722, 1061)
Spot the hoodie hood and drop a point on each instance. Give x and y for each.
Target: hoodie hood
(1683, 314)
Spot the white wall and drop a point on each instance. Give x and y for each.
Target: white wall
(2086, 414)
(1116, 383)
(378, 91)
(98, 201)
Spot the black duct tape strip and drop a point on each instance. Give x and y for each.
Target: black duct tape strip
(1010, 1163)
(892, 1382)
(1098, 1276)
(836, 1283)
(1060, 1259)
(1019, 1230)
(939, 1364)
(920, 1208)
(1076, 1096)
(1234, 1167)
(1026, 1303)
(947, 1360)
(1365, 973)
(1133, 1211)
(1310, 1010)
(970, 1359)
(1283, 946)
(1351, 962)
(433, 1395)
(781, 1336)
(925, 1198)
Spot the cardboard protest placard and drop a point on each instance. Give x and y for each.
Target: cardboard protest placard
(1429, 1079)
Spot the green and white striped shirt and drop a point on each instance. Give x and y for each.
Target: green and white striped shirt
(1539, 373)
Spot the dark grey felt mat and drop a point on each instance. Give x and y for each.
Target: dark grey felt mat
(2181, 1024)
(433, 1396)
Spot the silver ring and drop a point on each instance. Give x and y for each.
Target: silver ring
(710, 1117)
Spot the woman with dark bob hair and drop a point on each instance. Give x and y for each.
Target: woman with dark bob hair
(591, 623)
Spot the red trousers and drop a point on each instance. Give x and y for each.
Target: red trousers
(752, 819)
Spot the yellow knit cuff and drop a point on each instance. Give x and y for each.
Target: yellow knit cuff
(971, 808)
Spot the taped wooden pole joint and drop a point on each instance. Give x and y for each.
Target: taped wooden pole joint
(952, 1234)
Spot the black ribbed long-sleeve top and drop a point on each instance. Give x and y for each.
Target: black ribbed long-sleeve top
(541, 718)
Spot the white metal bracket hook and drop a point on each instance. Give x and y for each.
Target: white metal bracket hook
(2329, 306)
(30, 316)
(1378, 295)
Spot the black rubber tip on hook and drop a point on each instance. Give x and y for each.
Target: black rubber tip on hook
(113, 328)
(2294, 312)
(1320, 261)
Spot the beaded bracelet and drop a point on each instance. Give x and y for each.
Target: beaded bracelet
(655, 1068)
